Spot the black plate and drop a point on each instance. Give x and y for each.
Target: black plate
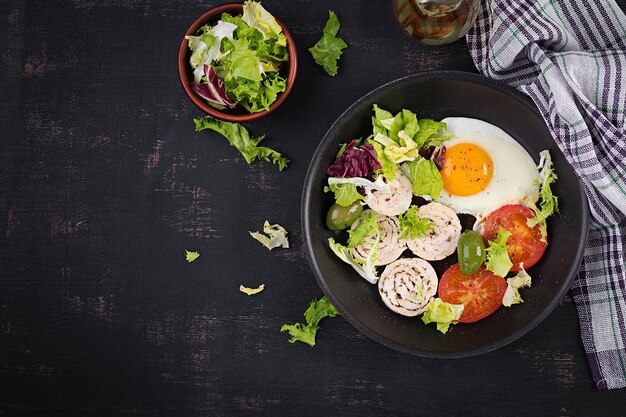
(440, 95)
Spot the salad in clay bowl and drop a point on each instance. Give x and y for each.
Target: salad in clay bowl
(237, 62)
(416, 192)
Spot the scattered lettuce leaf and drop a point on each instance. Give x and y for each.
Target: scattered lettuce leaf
(257, 17)
(512, 295)
(549, 203)
(412, 225)
(191, 256)
(251, 291)
(497, 260)
(329, 48)
(354, 161)
(275, 236)
(442, 313)
(366, 268)
(239, 138)
(306, 332)
(424, 176)
(345, 194)
(367, 226)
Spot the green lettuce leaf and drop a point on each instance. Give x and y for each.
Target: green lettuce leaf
(365, 268)
(329, 48)
(549, 203)
(381, 121)
(432, 133)
(512, 295)
(275, 236)
(367, 226)
(242, 62)
(345, 194)
(497, 260)
(305, 333)
(412, 225)
(424, 176)
(205, 48)
(239, 138)
(407, 151)
(388, 167)
(254, 95)
(405, 121)
(257, 17)
(442, 313)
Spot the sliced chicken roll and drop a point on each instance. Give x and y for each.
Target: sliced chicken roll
(390, 246)
(394, 201)
(441, 240)
(407, 286)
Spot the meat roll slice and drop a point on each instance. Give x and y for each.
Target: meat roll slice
(394, 201)
(408, 285)
(390, 246)
(442, 239)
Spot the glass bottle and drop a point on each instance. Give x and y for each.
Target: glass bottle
(436, 22)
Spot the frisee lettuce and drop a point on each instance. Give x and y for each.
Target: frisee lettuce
(275, 236)
(497, 260)
(549, 203)
(329, 48)
(306, 333)
(512, 295)
(412, 225)
(366, 268)
(367, 226)
(239, 138)
(442, 313)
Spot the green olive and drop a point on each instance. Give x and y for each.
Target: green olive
(470, 251)
(339, 217)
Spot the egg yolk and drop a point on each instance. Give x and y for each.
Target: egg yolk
(467, 169)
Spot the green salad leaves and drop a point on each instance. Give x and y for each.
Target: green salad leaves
(442, 313)
(549, 203)
(305, 333)
(329, 48)
(239, 138)
(412, 225)
(237, 60)
(498, 260)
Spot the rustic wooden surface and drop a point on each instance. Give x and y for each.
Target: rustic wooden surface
(104, 183)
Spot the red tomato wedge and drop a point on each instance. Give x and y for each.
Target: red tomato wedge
(481, 292)
(524, 245)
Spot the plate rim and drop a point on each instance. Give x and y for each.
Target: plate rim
(367, 331)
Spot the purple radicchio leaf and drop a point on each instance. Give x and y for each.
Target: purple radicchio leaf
(213, 90)
(354, 162)
(437, 154)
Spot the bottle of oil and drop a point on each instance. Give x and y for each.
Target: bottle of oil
(436, 22)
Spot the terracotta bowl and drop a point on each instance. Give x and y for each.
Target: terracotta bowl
(239, 113)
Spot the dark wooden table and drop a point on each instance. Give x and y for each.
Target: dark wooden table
(103, 185)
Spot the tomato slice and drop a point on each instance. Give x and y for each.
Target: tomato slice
(524, 245)
(481, 292)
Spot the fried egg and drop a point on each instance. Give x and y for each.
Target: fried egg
(485, 168)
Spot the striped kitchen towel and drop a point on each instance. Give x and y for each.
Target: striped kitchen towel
(569, 56)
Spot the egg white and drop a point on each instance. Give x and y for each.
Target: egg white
(515, 177)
